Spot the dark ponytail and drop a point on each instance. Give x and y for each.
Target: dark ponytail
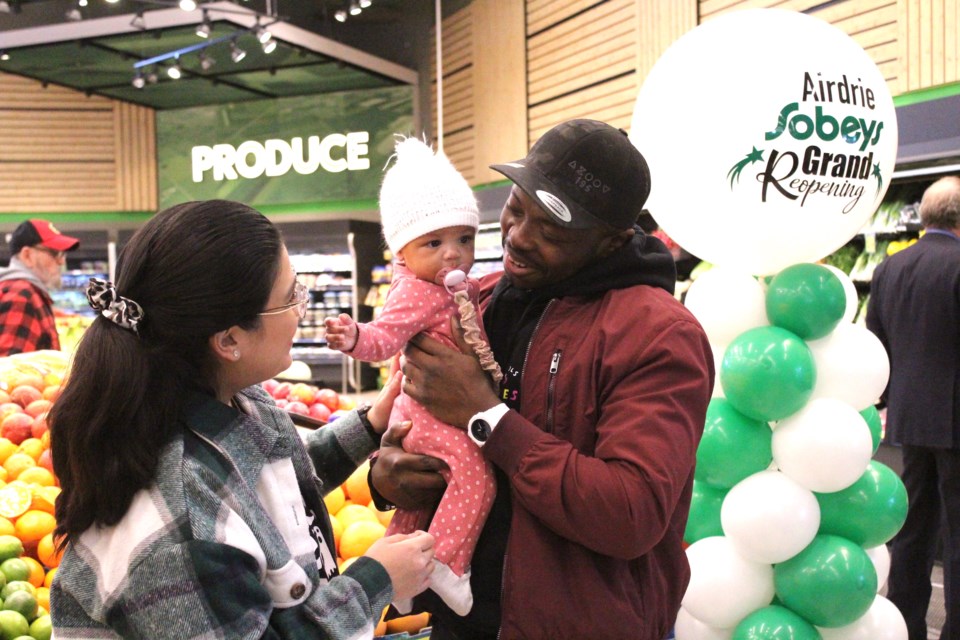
(195, 269)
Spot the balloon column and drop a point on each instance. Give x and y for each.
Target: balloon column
(771, 138)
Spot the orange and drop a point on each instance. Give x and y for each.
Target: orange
(383, 516)
(15, 499)
(6, 448)
(3, 476)
(410, 624)
(344, 563)
(37, 572)
(353, 513)
(16, 463)
(356, 485)
(38, 476)
(49, 579)
(334, 500)
(358, 537)
(43, 597)
(44, 498)
(33, 525)
(382, 625)
(48, 554)
(33, 447)
(52, 379)
(45, 439)
(337, 532)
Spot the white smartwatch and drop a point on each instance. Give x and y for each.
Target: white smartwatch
(482, 424)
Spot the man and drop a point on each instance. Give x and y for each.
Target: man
(915, 311)
(593, 432)
(38, 253)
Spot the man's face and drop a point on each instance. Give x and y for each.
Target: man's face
(46, 263)
(538, 252)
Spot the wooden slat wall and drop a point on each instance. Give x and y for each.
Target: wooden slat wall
(64, 152)
(915, 43)
(458, 87)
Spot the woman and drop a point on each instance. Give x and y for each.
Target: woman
(190, 507)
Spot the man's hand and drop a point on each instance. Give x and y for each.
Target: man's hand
(450, 384)
(408, 480)
(342, 332)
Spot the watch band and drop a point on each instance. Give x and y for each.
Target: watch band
(482, 424)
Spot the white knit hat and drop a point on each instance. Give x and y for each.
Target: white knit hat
(423, 192)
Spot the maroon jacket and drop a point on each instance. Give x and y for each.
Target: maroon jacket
(600, 460)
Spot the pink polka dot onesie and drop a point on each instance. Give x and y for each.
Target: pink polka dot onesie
(413, 306)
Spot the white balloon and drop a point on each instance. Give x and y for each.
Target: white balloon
(738, 151)
(724, 586)
(852, 366)
(717, 359)
(850, 289)
(769, 518)
(727, 302)
(825, 447)
(880, 557)
(882, 621)
(689, 628)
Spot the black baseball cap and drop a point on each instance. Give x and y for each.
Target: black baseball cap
(585, 173)
(32, 233)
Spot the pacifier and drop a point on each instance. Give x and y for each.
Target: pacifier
(453, 279)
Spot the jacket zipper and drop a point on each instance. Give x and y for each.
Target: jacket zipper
(554, 367)
(555, 361)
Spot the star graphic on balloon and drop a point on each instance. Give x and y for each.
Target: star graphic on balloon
(754, 156)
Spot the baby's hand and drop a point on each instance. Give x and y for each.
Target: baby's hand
(342, 332)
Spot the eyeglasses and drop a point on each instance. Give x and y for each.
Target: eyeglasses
(301, 296)
(56, 255)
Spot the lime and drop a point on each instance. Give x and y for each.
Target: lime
(22, 602)
(41, 628)
(10, 547)
(15, 569)
(17, 585)
(13, 625)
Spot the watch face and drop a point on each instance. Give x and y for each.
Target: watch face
(480, 430)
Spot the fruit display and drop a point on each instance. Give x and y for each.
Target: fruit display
(306, 399)
(70, 328)
(29, 384)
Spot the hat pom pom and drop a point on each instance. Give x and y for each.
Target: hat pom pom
(413, 150)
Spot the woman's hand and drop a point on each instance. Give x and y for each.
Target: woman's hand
(407, 480)
(379, 413)
(407, 557)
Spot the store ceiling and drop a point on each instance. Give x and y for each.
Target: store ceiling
(101, 55)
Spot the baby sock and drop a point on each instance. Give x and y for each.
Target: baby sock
(453, 589)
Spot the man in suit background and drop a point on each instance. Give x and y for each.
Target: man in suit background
(915, 311)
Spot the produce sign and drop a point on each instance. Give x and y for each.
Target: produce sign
(771, 138)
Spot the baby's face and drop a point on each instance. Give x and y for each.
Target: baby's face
(450, 248)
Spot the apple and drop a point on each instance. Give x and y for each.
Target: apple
(38, 407)
(46, 460)
(39, 426)
(269, 385)
(305, 393)
(330, 398)
(282, 390)
(16, 427)
(281, 403)
(25, 394)
(298, 407)
(9, 407)
(320, 411)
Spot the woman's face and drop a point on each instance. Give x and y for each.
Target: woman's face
(267, 349)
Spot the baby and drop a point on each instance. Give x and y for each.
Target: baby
(430, 218)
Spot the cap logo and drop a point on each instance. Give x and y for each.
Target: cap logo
(554, 205)
(53, 228)
(585, 180)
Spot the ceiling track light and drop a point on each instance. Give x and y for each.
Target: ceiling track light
(269, 46)
(4, 56)
(83, 3)
(74, 15)
(262, 34)
(138, 22)
(174, 71)
(139, 82)
(355, 8)
(206, 62)
(5, 7)
(365, 4)
(204, 28)
(236, 53)
(188, 5)
(340, 15)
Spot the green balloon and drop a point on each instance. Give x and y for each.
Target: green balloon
(872, 416)
(733, 446)
(870, 511)
(775, 623)
(806, 299)
(704, 518)
(830, 583)
(768, 373)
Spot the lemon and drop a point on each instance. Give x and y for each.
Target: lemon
(41, 628)
(17, 585)
(15, 569)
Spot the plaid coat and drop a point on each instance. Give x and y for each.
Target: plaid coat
(220, 545)
(26, 318)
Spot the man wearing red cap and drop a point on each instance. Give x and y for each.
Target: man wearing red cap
(37, 255)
